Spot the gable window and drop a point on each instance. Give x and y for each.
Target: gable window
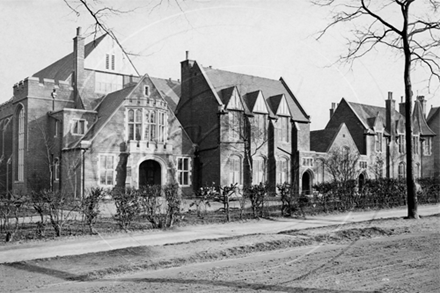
(235, 125)
(146, 90)
(110, 61)
(284, 129)
(234, 170)
(378, 142)
(106, 170)
(363, 164)
(134, 124)
(183, 171)
(427, 143)
(282, 171)
(401, 142)
(258, 170)
(78, 126)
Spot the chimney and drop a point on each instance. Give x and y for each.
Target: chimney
(422, 101)
(78, 75)
(332, 110)
(402, 106)
(187, 55)
(390, 119)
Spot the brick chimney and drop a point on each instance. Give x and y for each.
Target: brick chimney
(332, 109)
(422, 101)
(402, 106)
(390, 106)
(78, 74)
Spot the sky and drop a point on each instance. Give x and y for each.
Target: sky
(265, 38)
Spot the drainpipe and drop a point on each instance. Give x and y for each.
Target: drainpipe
(84, 146)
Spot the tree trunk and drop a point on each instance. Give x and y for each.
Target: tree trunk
(410, 182)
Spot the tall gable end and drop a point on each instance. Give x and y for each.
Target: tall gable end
(260, 105)
(283, 109)
(235, 102)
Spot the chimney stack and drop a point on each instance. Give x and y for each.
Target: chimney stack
(187, 55)
(402, 106)
(332, 109)
(422, 101)
(390, 106)
(78, 75)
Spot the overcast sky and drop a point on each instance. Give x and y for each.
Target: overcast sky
(266, 38)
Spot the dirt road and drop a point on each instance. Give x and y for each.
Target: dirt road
(393, 255)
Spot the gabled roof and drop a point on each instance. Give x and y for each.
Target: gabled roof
(108, 106)
(220, 79)
(62, 69)
(419, 121)
(169, 90)
(432, 113)
(276, 102)
(251, 99)
(320, 140)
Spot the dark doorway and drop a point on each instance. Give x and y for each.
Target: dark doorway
(361, 181)
(149, 173)
(306, 180)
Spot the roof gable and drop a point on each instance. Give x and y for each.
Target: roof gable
(256, 102)
(233, 99)
(419, 121)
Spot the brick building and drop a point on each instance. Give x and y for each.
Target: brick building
(378, 134)
(431, 164)
(245, 129)
(90, 120)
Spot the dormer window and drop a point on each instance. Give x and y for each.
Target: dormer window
(78, 126)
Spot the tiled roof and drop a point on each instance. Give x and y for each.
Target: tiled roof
(432, 113)
(245, 84)
(109, 104)
(367, 112)
(169, 89)
(62, 69)
(320, 140)
(419, 121)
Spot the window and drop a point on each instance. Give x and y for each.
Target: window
(110, 61)
(282, 171)
(134, 124)
(78, 126)
(379, 138)
(150, 128)
(308, 162)
(56, 169)
(107, 83)
(284, 129)
(234, 170)
(363, 164)
(21, 121)
(146, 90)
(401, 170)
(106, 170)
(427, 143)
(415, 144)
(161, 127)
(259, 127)
(183, 171)
(56, 128)
(258, 170)
(401, 142)
(235, 124)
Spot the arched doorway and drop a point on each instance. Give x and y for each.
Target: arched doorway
(361, 182)
(306, 183)
(149, 173)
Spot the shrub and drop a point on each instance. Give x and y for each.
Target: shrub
(203, 197)
(256, 195)
(128, 206)
(151, 203)
(90, 206)
(173, 203)
(10, 208)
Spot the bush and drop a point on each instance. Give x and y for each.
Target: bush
(257, 194)
(173, 203)
(430, 192)
(150, 200)
(90, 206)
(128, 206)
(11, 208)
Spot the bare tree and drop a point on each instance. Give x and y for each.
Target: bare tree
(342, 163)
(415, 36)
